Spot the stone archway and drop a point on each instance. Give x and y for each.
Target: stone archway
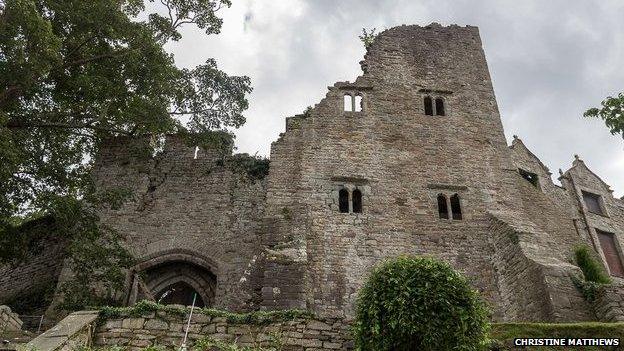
(173, 277)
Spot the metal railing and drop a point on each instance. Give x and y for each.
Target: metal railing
(32, 323)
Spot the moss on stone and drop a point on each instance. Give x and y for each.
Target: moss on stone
(253, 318)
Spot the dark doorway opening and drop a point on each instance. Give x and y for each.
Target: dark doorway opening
(179, 293)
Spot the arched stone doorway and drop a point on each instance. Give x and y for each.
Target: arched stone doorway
(174, 278)
(180, 293)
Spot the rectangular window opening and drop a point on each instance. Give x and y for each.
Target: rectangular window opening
(593, 202)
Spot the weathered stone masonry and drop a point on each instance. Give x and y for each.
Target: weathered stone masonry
(191, 220)
(299, 238)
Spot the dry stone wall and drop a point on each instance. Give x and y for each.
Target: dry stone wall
(167, 329)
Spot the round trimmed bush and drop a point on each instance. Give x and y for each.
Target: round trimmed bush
(419, 303)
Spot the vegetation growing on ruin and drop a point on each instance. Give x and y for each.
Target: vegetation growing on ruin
(307, 112)
(256, 317)
(368, 37)
(594, 273)
(419, 303)
(95, 253)
(254, 166)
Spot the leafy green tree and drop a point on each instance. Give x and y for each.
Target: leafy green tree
(76, 72)
(611, 112)
(419, 303)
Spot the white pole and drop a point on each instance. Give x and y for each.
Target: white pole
(188, 324)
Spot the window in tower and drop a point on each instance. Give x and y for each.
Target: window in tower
(357, 201)
(348, 102)
(428, 106)
(442, 207)
(456, 207)
(358, 107)
(439, 106)
(343, 200)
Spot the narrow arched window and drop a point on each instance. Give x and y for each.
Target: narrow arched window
(442, 207)
(358, 103)
(428, 106)
(357, 201)
(456, 207)
(348, 102)
(440, 107)
(343, 200)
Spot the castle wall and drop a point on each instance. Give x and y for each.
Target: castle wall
(35, 274)
(186, 213)
(246, 242)
(400, 159)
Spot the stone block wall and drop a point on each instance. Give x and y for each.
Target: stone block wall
(193, 217)
(9, 321)
(609, 303)
(37, 270)
(167, 329)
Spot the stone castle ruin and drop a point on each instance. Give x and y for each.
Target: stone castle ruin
(410, 158)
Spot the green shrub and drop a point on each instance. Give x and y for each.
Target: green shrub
(417, 303)
(592, 269)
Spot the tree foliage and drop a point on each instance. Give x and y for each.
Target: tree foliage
(74, 73)
(611, 112)
(416, 303)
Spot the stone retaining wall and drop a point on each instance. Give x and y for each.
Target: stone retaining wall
(167, 329)
(609, 304)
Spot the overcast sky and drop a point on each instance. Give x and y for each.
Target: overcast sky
(549, 61)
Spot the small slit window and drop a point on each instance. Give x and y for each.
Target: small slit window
(357, 201)
(343, 200)
(439, 106)
(348, 103)
(442, 207)
(593, 202)
(428, 106)
(456, 207)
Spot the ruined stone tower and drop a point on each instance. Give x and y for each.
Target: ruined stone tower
(410, 158)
